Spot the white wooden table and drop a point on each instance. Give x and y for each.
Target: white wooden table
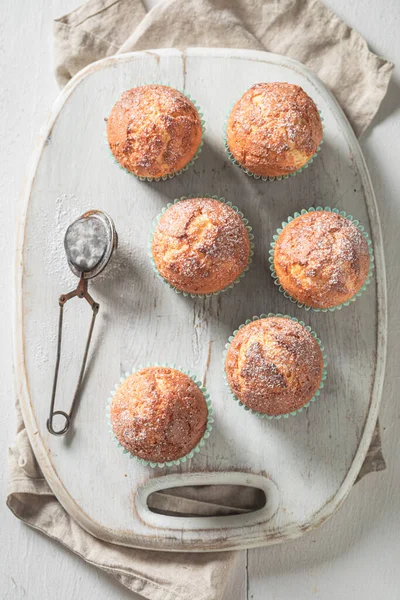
(355, 555)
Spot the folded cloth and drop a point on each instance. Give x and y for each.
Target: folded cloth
(303, 29)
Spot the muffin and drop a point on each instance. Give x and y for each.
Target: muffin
(201, 245)
(274, 129)
(159, 414)
(154, 131)
(321, 259)
(274, 365)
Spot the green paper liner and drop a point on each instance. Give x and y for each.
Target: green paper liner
(189, 455)
(189, 164)
(371, 257)
(323, 377)
(246, 223)
(278, 177)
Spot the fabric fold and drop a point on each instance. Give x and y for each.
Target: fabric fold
(154, 575)
(94, 31)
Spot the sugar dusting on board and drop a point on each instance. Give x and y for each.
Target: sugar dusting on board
(54, 259)
(68, 208)
(50, 240)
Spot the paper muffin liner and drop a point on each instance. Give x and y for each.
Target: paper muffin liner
(189, 164)
(323, 377)
(278, 177)
(348, 217)
(195, 450)
(246, 223)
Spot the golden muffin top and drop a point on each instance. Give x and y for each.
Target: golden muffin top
(200, 245)
(321, 259)
(274, 129)
(158, 414)
(154, 130)
(274, 365)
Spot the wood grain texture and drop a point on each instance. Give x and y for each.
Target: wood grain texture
(314, 458)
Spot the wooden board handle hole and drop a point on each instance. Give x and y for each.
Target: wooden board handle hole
(207, 500)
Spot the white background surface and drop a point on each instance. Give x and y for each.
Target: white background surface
(356, 554)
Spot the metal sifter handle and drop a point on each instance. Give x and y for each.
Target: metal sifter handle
(89, 243)
(79, 292)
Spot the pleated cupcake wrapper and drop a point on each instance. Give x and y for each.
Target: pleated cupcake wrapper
(324, 370)
(189, 164)
(349, 218)
(195, 450)
(246, 223)
(278, 177)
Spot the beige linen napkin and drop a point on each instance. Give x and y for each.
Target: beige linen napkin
(303, 29)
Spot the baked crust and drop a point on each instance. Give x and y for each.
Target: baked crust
(321, 259)
(158, 414)
(274, 365)
(154, 130)
(200, 245)
(274, 129)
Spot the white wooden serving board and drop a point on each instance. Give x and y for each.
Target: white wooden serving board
(306, 464)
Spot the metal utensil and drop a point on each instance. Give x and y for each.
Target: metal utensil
(89, 243)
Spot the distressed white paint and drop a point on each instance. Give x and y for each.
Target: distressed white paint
(355, 553)
(314, 458)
